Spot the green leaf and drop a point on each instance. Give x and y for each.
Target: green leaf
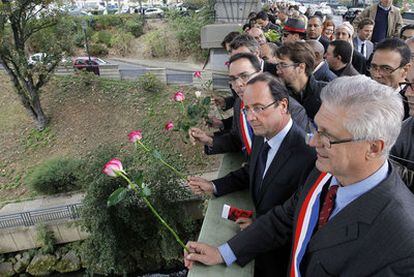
(146, 191)
(117, 196)
(156, 154)
(206, 101)
(139, 179)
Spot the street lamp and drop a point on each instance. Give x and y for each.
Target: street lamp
(84, 26)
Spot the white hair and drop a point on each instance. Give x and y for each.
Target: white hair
(374, 111)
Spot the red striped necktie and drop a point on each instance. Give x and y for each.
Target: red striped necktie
(328, 205)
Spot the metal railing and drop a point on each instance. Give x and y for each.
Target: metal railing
(31, 218)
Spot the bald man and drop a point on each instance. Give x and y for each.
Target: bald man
(321, 71)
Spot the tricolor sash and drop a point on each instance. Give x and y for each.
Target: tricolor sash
(246, 130)
(307, 220)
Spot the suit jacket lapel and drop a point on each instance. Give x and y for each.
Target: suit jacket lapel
(257, 145)
(344, 226)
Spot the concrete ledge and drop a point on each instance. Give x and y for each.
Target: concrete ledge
(216, 230)
(212, 35)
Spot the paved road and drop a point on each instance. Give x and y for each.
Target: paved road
(133, 70)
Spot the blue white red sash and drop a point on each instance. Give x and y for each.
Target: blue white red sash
(246, 130)
(307, 220)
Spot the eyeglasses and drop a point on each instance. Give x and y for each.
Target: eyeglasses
(257, 110)
(280, 66)
(382, 69)
(323, 138)
(286, 34)
(244, 77)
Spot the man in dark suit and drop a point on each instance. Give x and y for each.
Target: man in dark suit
(390, 65)
(314, 31)
(288, 160)
(362, 41)
(321, 72)
(242, 67)
(363, 224)
(339, 56)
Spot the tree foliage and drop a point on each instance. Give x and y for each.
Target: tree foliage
(32, 25)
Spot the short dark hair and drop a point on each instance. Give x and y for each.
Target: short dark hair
(397, 45)
(252, 58)
(229, 38)
(276, 86)
(298, 52)
(406, 27)
(316, 16)
(244, 40)
(364, 22)
(262, 15)
(342, 48)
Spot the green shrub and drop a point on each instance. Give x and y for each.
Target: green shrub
(135, 27)
(55, 176)
(126, 237)
(46, 239)
(150, 83)
(122, 43)
(98, 49)
(103, 37)
(156, 43)
(102, 22)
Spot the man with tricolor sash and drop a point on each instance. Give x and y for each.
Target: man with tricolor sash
(353, 216)
(242, 67)
(279, 163)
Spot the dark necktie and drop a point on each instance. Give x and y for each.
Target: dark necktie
(261, 166)
(362, 49)
(328, 205)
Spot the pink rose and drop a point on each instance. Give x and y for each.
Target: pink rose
(135, 135)
(179, 96)
(169, 126)
(112, 168)
(197, 74)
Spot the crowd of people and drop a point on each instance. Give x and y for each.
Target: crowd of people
(323, 115)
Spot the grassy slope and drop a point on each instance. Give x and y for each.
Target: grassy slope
(83, 117)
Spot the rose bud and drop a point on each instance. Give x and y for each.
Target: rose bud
(179, 96)
(198, 94)
(112, 168)
(197, 74)
(169, 126)
(135, 135)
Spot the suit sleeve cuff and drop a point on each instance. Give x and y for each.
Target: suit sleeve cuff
(227, 254)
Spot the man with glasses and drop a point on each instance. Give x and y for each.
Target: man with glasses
(242, 67)
(390, 65)
(279, 163)
(353, 215)
(403, 150)
(296, 62)
(407, 32)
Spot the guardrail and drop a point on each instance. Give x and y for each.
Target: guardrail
(31, 218)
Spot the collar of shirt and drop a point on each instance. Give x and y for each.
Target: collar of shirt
(318, 66)
(345, 195)
(384, 8)
(359, 41)
(275, 143)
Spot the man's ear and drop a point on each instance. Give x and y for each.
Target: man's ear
(376, 149)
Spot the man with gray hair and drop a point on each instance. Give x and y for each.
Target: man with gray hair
(352, 206)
